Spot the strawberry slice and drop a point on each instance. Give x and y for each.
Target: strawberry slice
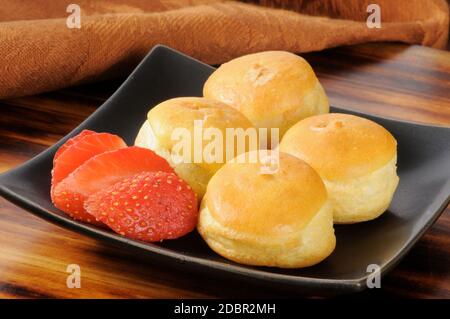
(149, 206)
(100, 172)
(70, 142)
(81, 148)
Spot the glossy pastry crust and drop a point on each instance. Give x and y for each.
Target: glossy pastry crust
(273, 89)
(181, 113)
(356, 159)
(281, 220)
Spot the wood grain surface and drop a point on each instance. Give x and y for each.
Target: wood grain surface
(408, 82)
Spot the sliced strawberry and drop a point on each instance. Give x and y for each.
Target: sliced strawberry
(82, 148)
(70, 142)
(149, 206)
(100, 172)
(73, 204)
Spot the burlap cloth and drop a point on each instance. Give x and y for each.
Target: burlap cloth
(38, 52)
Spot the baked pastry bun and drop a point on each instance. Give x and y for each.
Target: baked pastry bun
(273, 89)
(356, 159)
(181, 114)
(281, 220)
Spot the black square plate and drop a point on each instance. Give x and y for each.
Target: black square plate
(423, 193)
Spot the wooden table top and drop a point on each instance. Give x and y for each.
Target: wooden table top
(408, 82)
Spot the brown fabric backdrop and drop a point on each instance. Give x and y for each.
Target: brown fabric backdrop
(39, 53)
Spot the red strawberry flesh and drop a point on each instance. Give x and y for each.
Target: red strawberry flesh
(80, 150)
(149, 206)
(100, 172)
(70, 142)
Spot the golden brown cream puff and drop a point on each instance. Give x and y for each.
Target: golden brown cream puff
(282, 219)
(159, 133)
(356, 159)
(273, 89)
